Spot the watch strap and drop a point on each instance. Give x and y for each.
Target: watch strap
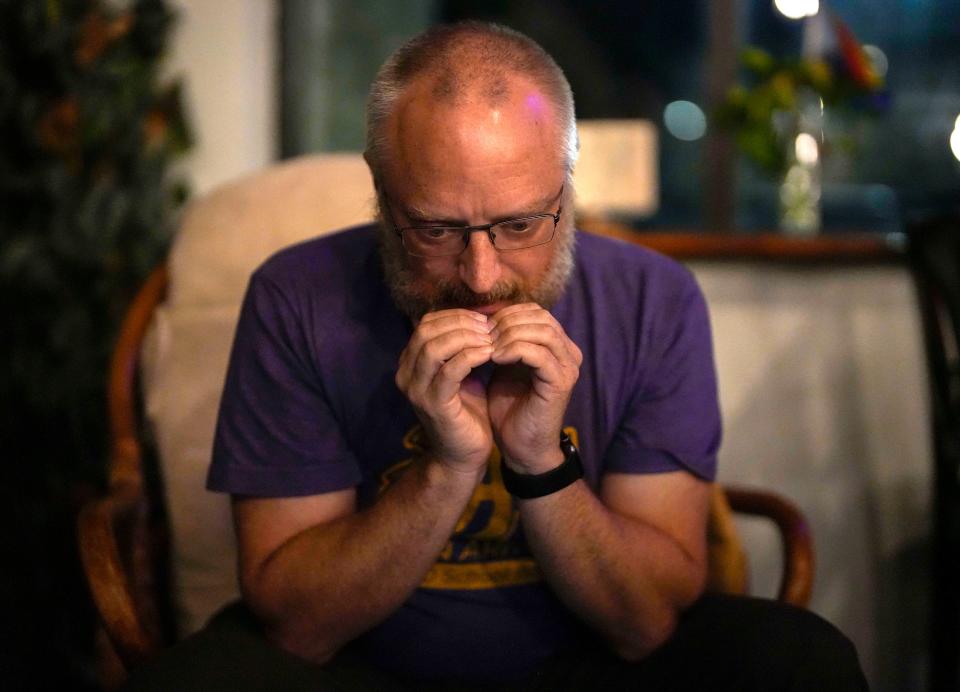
(527, 487)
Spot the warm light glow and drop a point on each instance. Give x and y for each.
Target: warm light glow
(806, 149)
(955, 139)
(797, 9)
(685, 120)
(878, 59)
(617, 170)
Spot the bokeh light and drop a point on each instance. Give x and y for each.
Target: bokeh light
(806, 149)
(878, 59)
(797, 9)
(685, 120)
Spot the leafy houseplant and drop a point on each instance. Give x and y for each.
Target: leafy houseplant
(87, 136)
(85, 203)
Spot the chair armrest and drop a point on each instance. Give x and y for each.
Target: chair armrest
(106, 532)
(796, 583)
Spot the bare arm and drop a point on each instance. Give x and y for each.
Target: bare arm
(319, 574)
(629, 561)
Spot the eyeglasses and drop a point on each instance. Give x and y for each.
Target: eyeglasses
(513, 234)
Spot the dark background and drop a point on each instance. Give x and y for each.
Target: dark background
(624, 58)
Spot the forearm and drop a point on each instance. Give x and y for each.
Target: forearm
(333, 574)
(332, 582)
(624, 577)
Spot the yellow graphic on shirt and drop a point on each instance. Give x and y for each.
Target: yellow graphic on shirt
(485, 550)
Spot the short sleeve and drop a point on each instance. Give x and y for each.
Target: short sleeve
(672, 419)
(276, 434)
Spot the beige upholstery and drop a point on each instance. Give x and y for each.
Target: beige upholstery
(230, 231)
(223, 237)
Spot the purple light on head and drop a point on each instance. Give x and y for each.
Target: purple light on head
(535, 103)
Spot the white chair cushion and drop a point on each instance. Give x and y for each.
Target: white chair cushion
(226, 234)
(223, 238)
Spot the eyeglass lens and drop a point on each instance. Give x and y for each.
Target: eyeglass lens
(514, 234)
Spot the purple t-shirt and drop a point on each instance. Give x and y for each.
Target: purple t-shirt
(310, 406)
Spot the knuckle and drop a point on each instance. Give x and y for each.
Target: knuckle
(418, 398)
(449, 369)
(431, 350)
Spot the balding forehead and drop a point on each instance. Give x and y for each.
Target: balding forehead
(451, 85)
(509, 104)
(427, 130)
(495, 88)
(470, 64)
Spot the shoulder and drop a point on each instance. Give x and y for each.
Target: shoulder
(322, 268)
(340, 252)
(629, 299)
(632, 271)
(317, 283)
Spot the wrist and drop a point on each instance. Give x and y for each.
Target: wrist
(530, 486)
(534, 465)
(441, 473)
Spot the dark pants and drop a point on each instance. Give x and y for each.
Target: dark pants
(722, 643)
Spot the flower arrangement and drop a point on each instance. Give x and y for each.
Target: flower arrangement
(762, 113)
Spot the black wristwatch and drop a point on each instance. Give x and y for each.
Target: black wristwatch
(527, 487)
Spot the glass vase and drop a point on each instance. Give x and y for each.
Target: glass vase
(800, 189)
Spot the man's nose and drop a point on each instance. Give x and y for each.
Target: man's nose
(480, 263)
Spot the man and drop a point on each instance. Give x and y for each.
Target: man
(471, 446)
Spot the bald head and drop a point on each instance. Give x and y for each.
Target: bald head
(430, 143)
(470, 64)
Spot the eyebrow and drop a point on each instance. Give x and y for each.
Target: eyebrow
(420, 216)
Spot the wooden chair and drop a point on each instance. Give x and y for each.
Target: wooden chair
(123, 536)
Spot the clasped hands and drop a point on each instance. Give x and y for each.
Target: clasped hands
(522, 407)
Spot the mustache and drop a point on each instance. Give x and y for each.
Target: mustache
(459, 295)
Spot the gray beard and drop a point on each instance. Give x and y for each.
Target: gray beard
(414, 299)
